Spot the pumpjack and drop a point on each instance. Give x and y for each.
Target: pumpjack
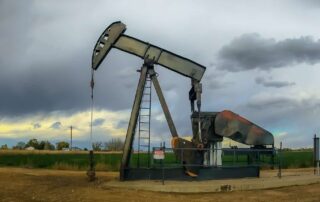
(209, 128)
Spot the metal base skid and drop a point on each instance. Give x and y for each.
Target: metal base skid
(210, 173)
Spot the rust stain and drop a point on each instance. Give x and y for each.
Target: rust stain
(257, 131)
(230, 116)
(174, 142)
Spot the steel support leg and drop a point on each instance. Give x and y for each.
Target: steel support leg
(163, 103)
(133, 122)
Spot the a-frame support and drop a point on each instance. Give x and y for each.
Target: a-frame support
(147, 68)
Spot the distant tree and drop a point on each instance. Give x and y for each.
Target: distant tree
(97, 146)
(41, 145)
(19, 145)
(61, 145)
(33, 143)
(85, 149)
(115, 144)
(48, 146)
(4, 147)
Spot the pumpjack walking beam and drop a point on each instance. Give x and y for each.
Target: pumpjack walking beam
(114, 37)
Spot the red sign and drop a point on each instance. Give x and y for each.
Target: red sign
(158, 154)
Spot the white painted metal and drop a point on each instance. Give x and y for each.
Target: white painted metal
(217, 160)
(211, 154)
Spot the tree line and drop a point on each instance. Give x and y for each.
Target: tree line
(41, 145)
(114, 144)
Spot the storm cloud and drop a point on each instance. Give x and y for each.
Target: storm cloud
(98, 122)
(45, 67)
(45, 59)
(36, 125)
(56, 125)
(277, 111)
(292, 114)
(251, 51)
(270, 83)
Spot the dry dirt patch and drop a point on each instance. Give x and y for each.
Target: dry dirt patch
(18, 184)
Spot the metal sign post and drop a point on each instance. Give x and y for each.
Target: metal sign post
(159, 154)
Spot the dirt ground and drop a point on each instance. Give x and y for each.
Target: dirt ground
(18, 184)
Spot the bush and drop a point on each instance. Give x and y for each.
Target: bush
(115, 144)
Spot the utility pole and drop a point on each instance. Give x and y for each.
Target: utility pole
(70, 138)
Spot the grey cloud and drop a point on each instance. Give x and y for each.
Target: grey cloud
(268, 101)
(275, 84)
(98, 122)
(36, 125)
(213, 79)
(122, 124)
(45, 67)
(45, 55)
(56, 125)
(216, 84)
(293, 115)
(281, 111)
(168, 86)
(251, 51)
(56, 77)
(309, 4)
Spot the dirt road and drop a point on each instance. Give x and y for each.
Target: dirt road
(18, 184)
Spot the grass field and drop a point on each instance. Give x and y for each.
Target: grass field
(297, 159)
(110, 161)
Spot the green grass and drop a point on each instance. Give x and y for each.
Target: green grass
(297, 159)
(111, 161)
(72, 161)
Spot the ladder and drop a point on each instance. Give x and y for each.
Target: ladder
(144, 121)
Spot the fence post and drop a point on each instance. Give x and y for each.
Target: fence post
(280, 161)
(152, 160)
(272, 157)
(164, 149)
(316, 154)
(234, 156)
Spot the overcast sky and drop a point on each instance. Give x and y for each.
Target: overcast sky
(262, 59)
